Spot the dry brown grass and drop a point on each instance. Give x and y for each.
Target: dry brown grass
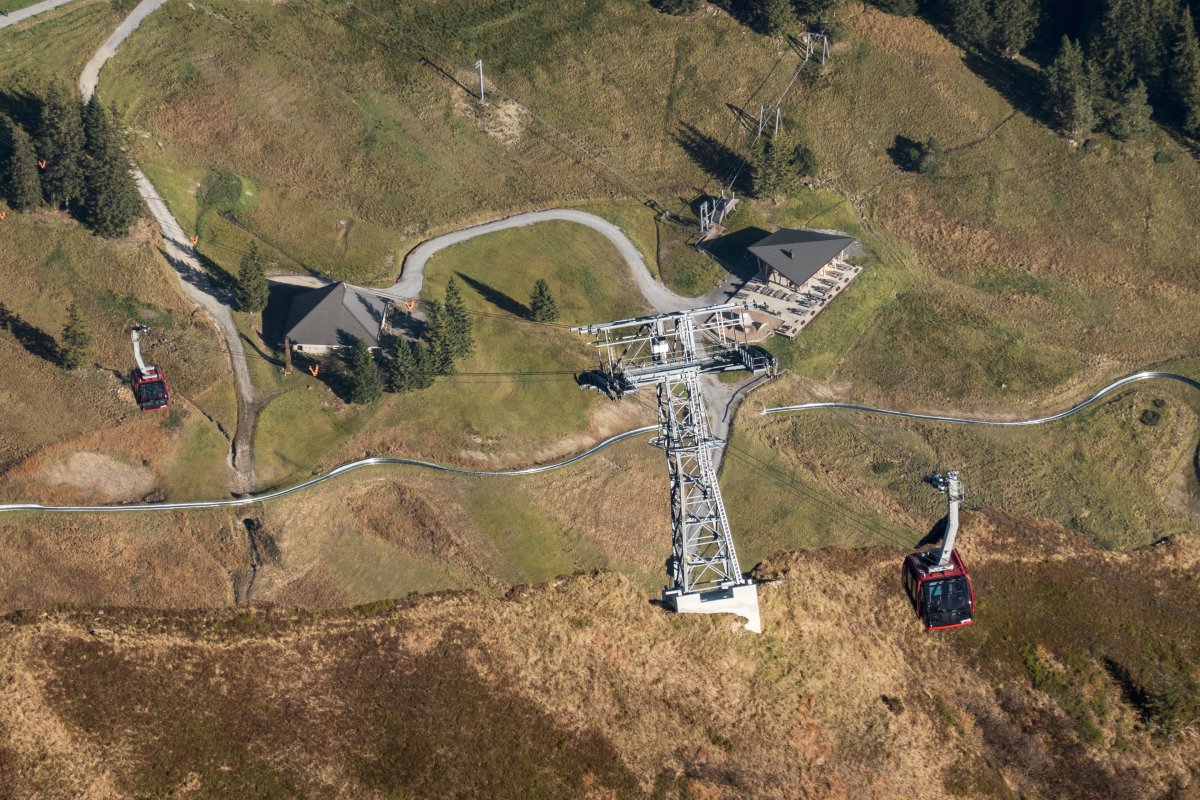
(605, 692)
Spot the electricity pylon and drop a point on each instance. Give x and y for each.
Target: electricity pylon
(671, 351)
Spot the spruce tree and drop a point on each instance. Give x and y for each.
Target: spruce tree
(111, 202)
(364, 377)
(1185, 74)
(458, 323)
(970, 22)
(59, 144)
(1015, 21)
(776, 16)
(1116, 46)
(437, 337)
(252, 287)
(77, 342)
(402, 368)
(22, 185)
(542, 305)
(423, 366)
(1070, 93)
(1133, 114)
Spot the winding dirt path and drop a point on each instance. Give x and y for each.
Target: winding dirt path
(197, 285)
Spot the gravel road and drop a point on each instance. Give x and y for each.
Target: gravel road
(196, 284)
(22, 14)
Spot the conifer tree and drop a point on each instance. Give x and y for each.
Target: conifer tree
(364, 377)
(402, 368)
(1133, 114)
(1015, 21)
(253, 291)
(970, 22)
(423, 366)
(542, 305)
(1185, 74)
(1121, 34)
(437, 338)
(458, 323)
(1070, 92)
(60, 143)
(77, 342)
(776, 16)
(111, 201)
(22, 185)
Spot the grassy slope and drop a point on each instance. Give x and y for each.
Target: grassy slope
(834, 700)
(50, 262)
(1016, 281)
(394, 148)
(481, 419)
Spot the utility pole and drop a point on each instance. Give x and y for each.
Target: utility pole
(670, 352)
(479, 65)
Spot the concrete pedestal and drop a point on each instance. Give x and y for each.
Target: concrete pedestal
(740, 600)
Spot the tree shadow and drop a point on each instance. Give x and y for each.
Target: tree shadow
(1020, 84)
(713, 157)
(36, 341)
(22, 107)
(496, 297)
(905, 153)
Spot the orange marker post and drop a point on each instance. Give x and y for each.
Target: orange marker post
(314, 369)
(41, 164)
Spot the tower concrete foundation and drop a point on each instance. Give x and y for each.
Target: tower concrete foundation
(741, 600)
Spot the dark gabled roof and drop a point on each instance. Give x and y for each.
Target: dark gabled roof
(335, 315)
(799, 254)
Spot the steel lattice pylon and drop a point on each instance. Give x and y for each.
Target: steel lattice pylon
(671, 351)
(702, 551)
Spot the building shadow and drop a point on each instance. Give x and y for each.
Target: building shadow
(712, 156)
(496, 297)
(35, 340)
(730, 250)
(279, 308)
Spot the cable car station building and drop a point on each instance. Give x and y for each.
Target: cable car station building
(796, 259)
(799, 273)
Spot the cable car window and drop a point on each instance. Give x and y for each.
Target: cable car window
(950, 594)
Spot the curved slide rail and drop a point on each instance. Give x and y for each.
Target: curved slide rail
(333, 473)
(1109, 389)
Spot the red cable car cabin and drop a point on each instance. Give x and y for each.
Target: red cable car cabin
(942, 597)
(936, 581)
(149, 386)
(150, 389)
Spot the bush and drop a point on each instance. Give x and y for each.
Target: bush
(1150, 417)
(1163, 157)
(930, 157)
